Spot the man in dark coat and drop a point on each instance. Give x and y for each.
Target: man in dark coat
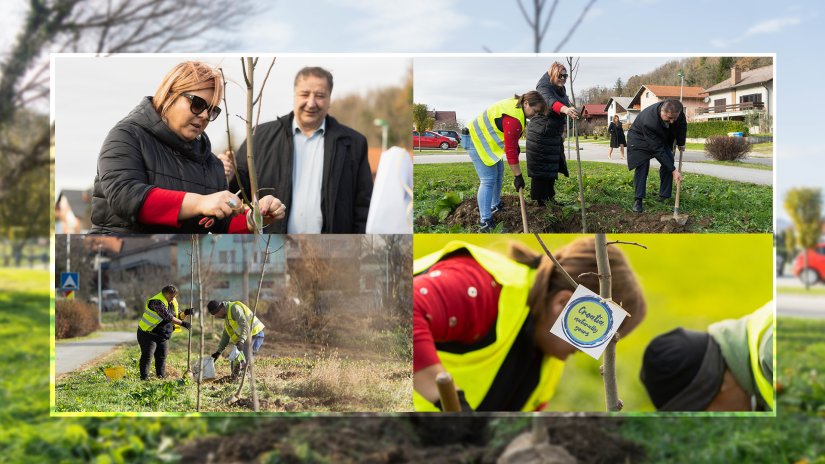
(652, 135)
(316, 166)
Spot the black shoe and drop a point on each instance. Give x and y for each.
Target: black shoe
(663, 199)
(637, 206)
(495, 209)
(553, 201)
(490, 227)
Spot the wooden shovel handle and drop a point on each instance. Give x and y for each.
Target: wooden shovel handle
(447, 393)
(523, 210)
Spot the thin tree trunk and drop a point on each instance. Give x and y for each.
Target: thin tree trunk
(197, 250)
(250, 157)
(192, 304)
(572, 73)
(611, 393)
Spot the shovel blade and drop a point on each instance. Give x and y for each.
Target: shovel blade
(680, 219)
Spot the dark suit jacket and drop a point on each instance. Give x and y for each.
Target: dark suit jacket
(346, 187)
(648, 138)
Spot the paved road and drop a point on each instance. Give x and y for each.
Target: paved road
(70, 356)
(596, 152)
(801, 306)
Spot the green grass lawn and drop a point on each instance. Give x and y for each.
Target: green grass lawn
(815, 290)
(739, 164)
(683, 284)
(455, 151)
(796, 435)
(714, 205)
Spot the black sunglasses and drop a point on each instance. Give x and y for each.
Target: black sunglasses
(563, 76)
(198, 104)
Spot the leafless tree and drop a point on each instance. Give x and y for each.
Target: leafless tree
(97, 26)
(540, 23)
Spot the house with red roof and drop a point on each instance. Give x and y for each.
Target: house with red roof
(595, 114)
(692, 97)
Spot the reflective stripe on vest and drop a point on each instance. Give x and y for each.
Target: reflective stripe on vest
(231, 326)
(475, 371)
(488, 140)
(150, 319)
(757, 325)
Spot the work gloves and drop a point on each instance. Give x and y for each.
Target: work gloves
(462, 401)
(240, 346)
(188, 311)
(216, 355)
(518, 182)
(186, 325)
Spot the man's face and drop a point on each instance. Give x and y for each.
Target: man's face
(312, 98)
(669, 118)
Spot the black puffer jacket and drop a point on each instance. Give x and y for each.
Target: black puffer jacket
(551, 95)
(545, 149)
(140, 153)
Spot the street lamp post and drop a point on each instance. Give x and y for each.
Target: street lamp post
(385, 128)
(681, 83)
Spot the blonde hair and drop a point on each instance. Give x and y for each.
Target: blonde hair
(187, 77)
(577, 258)
(555, 69)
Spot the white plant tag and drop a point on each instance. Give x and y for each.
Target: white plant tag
(588, 322)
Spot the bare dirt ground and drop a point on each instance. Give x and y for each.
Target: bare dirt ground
(429, 439)
(559, 219)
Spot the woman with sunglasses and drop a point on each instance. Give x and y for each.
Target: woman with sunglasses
(545, 143)
(156, 172)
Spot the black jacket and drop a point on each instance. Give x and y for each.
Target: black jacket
(346, 187)
(616, 135)
(649, 138)
(139, 153)
(551, 95)
(545, 149)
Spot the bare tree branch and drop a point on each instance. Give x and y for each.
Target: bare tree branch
(575, 25)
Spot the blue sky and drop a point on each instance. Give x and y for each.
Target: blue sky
(790, 29)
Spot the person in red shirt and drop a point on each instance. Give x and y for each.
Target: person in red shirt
(490, 138)
(456, 309)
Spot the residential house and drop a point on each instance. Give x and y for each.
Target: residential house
(444, 120)
(72, 212)
(742, 93)
(620, 106)
(595, 114)
(231, 266)
(693, 98)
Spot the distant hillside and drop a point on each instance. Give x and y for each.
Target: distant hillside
(699, 71)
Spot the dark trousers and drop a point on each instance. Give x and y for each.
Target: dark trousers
(640, 180)
(542, 188)
(151, 345)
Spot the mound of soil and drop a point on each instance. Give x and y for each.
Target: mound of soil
(566, 219)
(398, 440)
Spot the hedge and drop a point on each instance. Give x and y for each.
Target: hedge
(705, 129)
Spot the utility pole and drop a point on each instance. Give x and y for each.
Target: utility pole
(68, 253)
(681, 84)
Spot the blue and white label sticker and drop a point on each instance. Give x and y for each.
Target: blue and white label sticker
(588, 322)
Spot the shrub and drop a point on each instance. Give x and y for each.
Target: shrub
(705, 129)
(723, 148)
(74, 318)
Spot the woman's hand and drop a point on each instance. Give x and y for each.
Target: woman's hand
(219, 205)
(272, 209)
(570, 112)
(226, 159)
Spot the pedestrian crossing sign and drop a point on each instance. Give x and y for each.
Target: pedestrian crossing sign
(69, 281)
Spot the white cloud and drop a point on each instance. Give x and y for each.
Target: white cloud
(770, 26)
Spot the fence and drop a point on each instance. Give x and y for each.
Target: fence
(25, 253)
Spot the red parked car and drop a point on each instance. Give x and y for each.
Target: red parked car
(432, 140)
(816, 265)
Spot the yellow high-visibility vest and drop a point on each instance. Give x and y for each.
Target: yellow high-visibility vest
(151, 319)
(488, 139)
(757, 325)
(231, 325)
(475, 371)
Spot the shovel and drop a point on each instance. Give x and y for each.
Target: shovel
(680, 219)
(447, 392)
(523, 210)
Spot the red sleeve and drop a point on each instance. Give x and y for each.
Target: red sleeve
(455, 301)
(512, 132)
(238, 225)
(557, 106)
(161, 207)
